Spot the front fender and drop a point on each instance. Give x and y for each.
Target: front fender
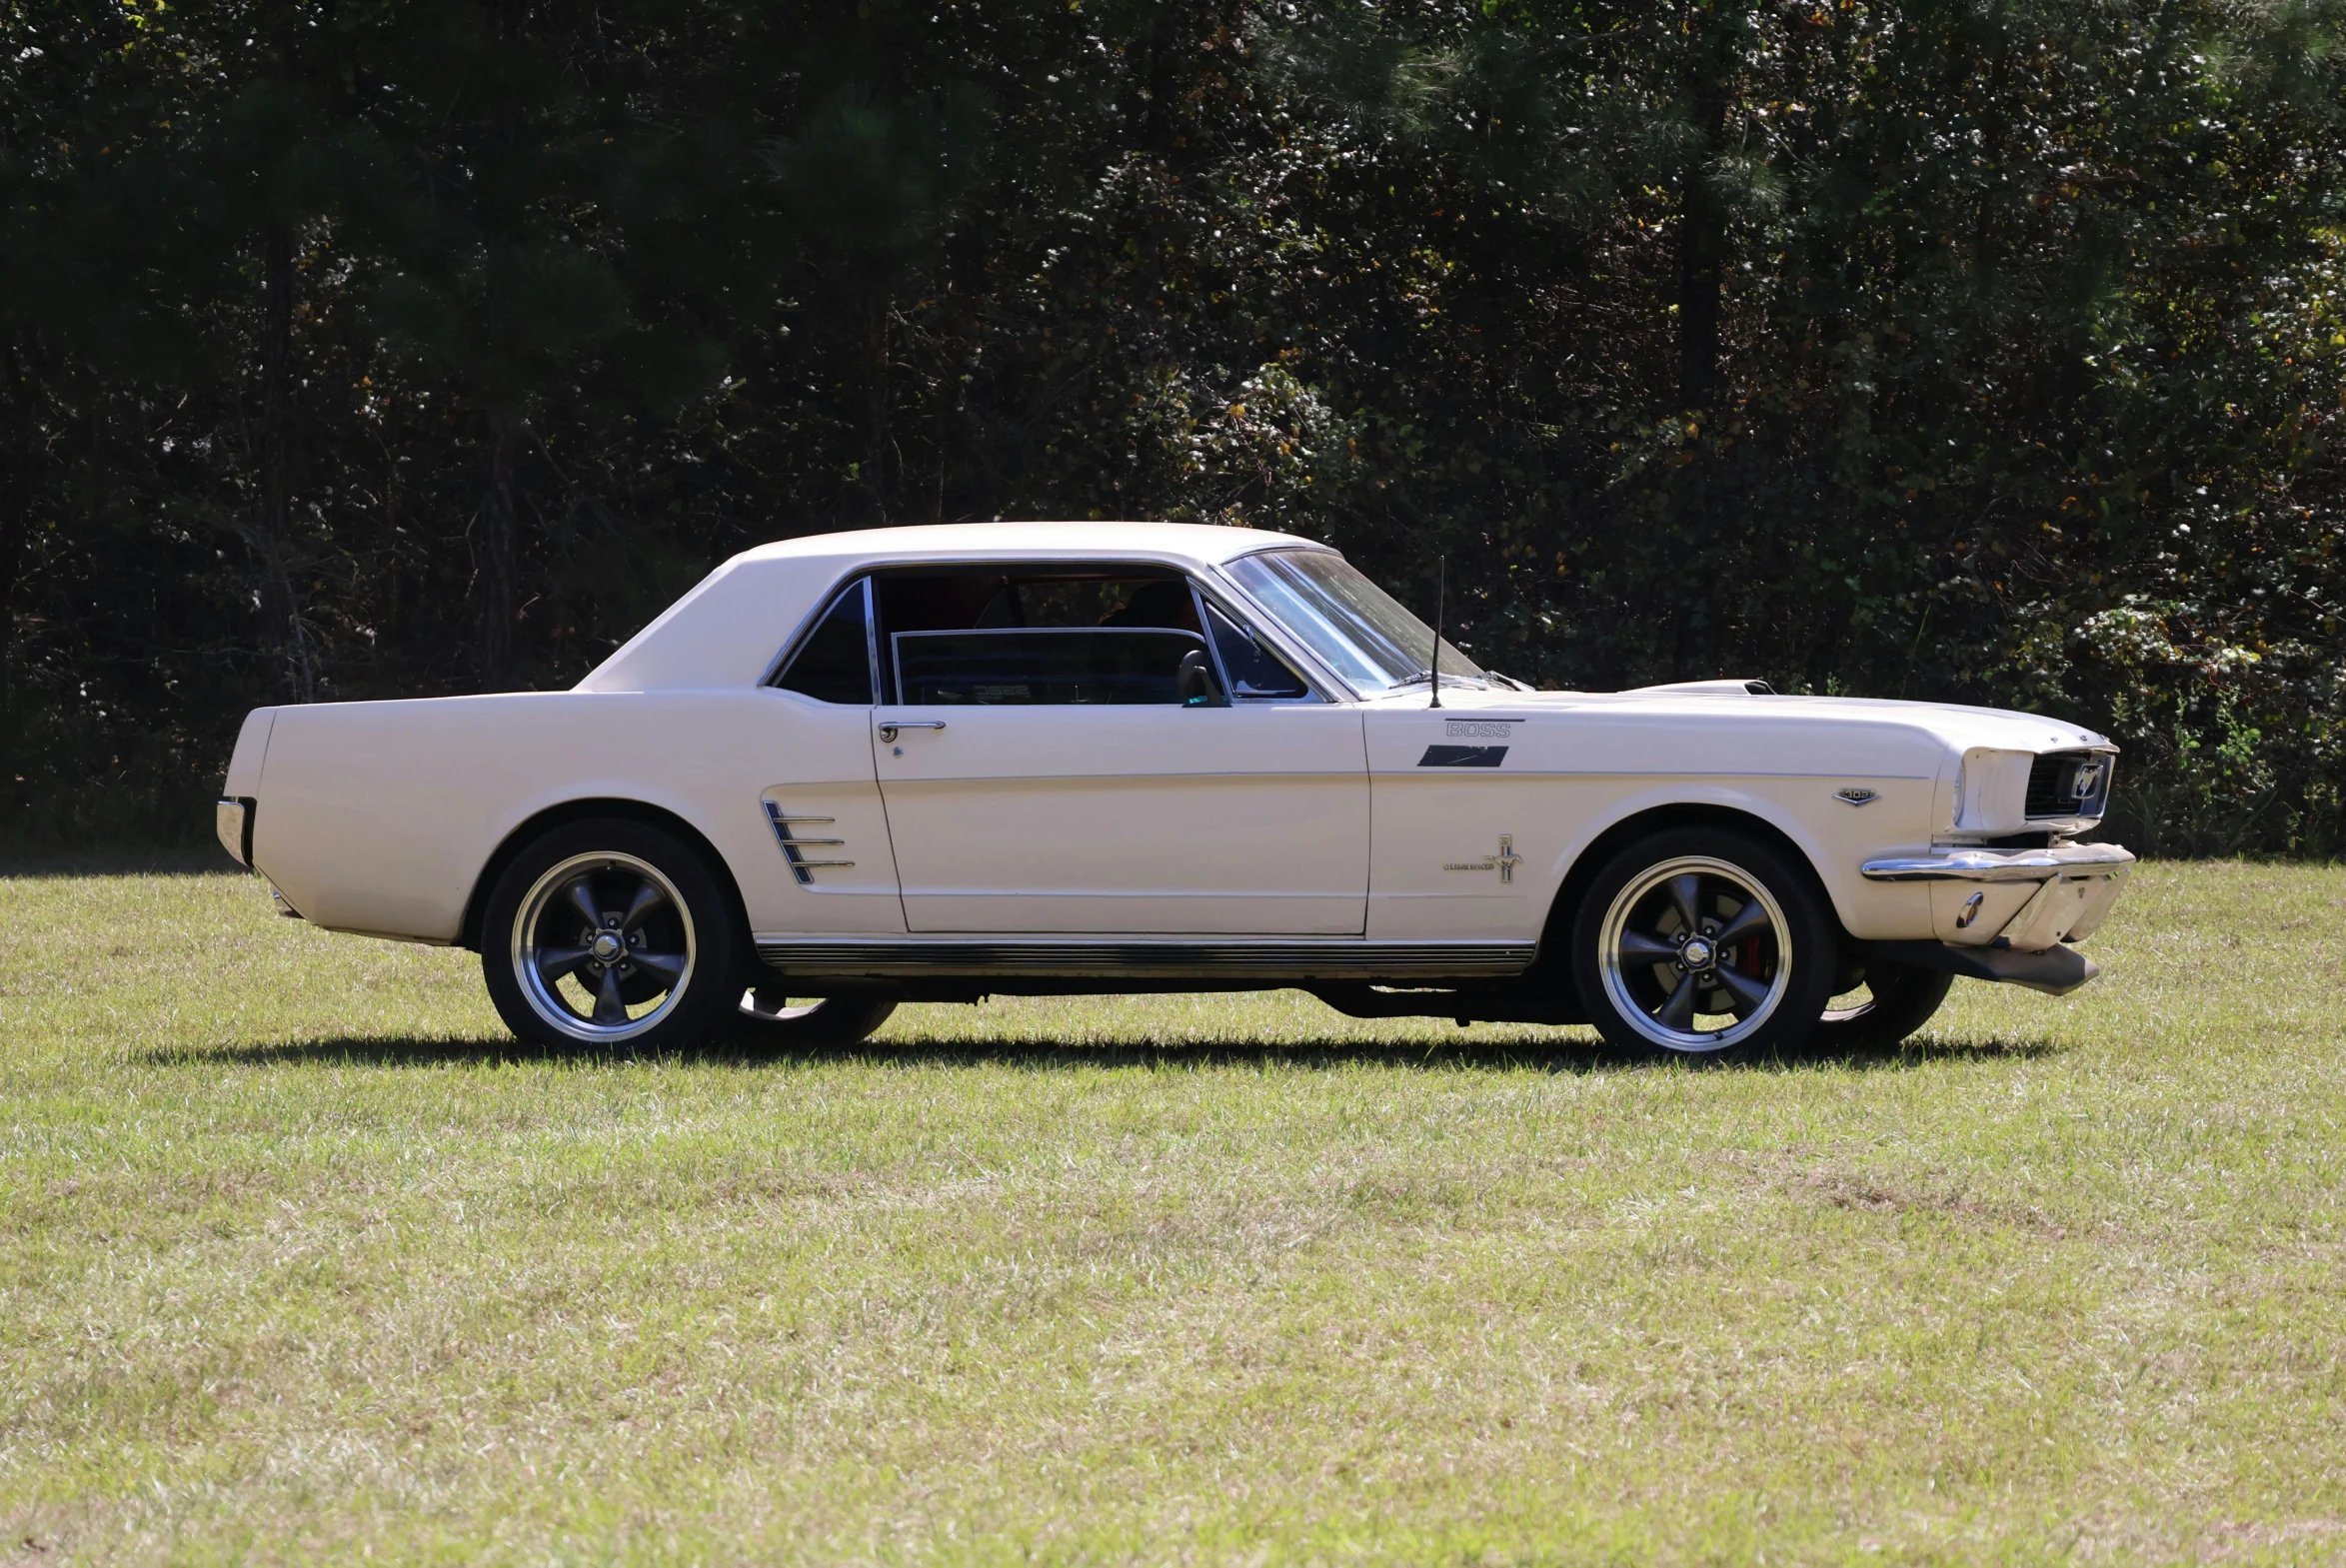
(1834, 838)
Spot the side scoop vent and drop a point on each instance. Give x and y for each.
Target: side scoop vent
(796, 844)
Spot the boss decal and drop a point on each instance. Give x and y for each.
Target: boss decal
(1462, 756)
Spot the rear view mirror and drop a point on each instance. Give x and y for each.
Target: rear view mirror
(1196, 684)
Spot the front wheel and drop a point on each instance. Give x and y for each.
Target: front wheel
(610, 932)
(1703, 944)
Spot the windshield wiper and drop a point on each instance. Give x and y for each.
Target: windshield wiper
(1447, 675)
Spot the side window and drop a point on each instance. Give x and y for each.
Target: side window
(1256, 673)
(1036, 634)
(1093, 666)
(835, 664)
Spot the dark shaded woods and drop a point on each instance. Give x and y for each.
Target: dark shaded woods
(1981, 350)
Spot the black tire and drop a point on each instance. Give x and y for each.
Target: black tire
(1902, 998)
(769, 1022)
(673, 930)
(1766, 986)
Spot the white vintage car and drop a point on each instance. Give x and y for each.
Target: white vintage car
(932, 764)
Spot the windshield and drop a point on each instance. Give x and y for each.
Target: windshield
(1358, 628)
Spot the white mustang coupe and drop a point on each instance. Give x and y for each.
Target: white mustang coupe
(932, 764)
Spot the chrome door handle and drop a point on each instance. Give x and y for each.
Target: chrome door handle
(887, 731)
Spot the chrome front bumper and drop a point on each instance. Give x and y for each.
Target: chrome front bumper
(2005, 865)
(2076, 885)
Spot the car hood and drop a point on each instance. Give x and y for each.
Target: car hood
(1724, 706)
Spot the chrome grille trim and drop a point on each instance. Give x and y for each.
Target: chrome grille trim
(2048, 801)
(1208, 957)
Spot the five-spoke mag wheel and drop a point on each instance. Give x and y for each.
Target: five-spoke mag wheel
(1703, 942)
(1694, 954)
(611, 932)
(604, 946)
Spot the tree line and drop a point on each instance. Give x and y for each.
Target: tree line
(1972, 350)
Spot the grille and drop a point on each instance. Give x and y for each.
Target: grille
(2068, 784)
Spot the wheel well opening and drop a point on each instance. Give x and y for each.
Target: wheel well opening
(1555, 937)
(578, 811)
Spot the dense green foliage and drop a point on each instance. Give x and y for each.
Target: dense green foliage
(1985, 349)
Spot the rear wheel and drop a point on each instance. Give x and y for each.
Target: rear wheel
(610, 932)
(1890, 1002)
(1705, 944)
(770, 1021)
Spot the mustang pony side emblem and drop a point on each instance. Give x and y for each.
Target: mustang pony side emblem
(1504, 863)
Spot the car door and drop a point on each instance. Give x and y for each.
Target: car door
(1043, 773)
(830, 871)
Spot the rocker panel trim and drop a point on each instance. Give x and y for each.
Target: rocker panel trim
(1139, 956)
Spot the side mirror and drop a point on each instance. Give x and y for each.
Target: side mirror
(1196, 682)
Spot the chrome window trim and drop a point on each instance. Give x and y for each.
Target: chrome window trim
(872, 637)
(796, 641)
(1252, 617)
(896, 659)
(1218, 589)
(869, 568)
(1262, 617)
(1213, 649)
(1251, 626)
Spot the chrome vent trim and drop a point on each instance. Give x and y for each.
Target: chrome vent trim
(1216, 957)
(795, 845)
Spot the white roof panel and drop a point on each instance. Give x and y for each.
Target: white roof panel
(727, 630)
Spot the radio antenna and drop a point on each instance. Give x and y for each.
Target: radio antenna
(1442, 588)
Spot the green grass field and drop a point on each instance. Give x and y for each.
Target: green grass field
(303, 1260)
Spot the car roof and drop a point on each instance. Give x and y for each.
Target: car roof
(727, 630)
(1203, 544)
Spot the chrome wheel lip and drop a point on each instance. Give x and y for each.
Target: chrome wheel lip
(556, 883)
(1615, 968)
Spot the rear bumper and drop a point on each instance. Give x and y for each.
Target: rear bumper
(232, 820)
(2027, 900)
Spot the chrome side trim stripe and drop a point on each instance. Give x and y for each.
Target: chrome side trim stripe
(1212, 957)
(2003, 865)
